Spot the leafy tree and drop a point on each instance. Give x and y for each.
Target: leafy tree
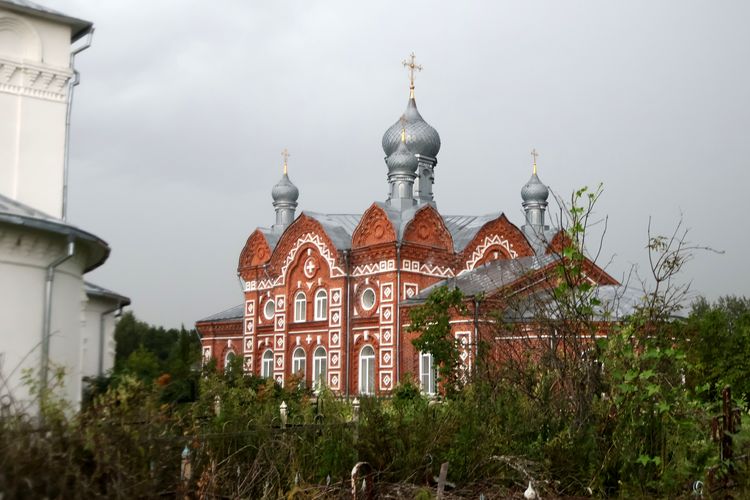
(432, 321)
(719, 345)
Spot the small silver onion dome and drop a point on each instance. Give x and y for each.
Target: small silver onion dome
(285, 191)
(534, 190)
(402, 160)
(421, 138)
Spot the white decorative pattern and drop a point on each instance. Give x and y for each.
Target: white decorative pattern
(374, 268)
(415, 266)
(386, 358)
(386, 379)
(315, 239)
(482, 248)
(410, 290)
(336, 295)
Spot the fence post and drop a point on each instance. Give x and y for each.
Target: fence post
(355, 410)
(283, 412)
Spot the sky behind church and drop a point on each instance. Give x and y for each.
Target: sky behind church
(184, 108)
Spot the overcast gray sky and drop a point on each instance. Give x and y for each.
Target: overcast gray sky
(184, 107)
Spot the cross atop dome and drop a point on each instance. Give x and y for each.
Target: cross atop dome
(411, 63)
(534, 155)
(285, 154)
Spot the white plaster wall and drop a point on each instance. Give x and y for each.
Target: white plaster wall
(91, 334)
(24, 257)
(34, 76)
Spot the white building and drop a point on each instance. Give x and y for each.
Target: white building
(49, 317)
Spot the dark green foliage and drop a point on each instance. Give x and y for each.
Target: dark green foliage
(432, 321)
(719, 346)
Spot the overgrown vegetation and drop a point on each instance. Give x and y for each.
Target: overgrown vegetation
(578, 405)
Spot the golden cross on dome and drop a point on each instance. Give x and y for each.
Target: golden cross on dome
(285, 154)
(411, 63)
(535, 155)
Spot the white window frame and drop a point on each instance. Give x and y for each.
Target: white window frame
(300, 307)
(427, 373)
(299, 364)
(367, 370)
(320, 368)
(321, 305)
(266, 366)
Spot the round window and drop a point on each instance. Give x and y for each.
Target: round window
(269, 309)
(368, 299)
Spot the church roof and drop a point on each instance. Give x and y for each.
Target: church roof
(79, 27)
(615, 302)
(93, 290)
(17, 214)
(233, 313)
(489, 278)
(340, 227)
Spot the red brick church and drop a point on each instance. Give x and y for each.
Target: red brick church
(326, 296)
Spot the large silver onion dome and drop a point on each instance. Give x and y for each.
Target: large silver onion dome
(421, 138)
(534, 190)
(285, 191)
(402, 160)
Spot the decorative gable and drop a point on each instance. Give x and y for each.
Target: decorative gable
(427, 228)
(498, 239)
(256, 251)
(373, 228)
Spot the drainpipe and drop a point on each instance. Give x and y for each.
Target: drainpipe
(73, 82)
(476, 333)
(47, 322)
(398, 312)
(118, 310)
(348, 258)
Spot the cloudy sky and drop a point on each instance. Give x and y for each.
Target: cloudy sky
(184, 108)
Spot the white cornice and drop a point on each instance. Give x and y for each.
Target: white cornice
(34, 80)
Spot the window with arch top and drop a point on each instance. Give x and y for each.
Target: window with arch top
(321, 304)
(300, 307)
(266, 367)
(427, 373)
(367, 370)
(320, 368)
(298, 364)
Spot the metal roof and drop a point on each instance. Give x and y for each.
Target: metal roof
(17, 214)
(233, 313)
(489, 278)
(79, 27)
(340, 227)
(463, 228)
(93, 290)
(616, 302)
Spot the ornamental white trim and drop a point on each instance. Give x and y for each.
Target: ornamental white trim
(323, 250)
(417, 267)
(374, 268)
(482, 248)
(34, 80)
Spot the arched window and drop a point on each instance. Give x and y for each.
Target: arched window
(427, 373)
(298, 364)
(320, 368)
(367, 370)
(228, 358)
(300, 307)
(321, 305)
(266, 367)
